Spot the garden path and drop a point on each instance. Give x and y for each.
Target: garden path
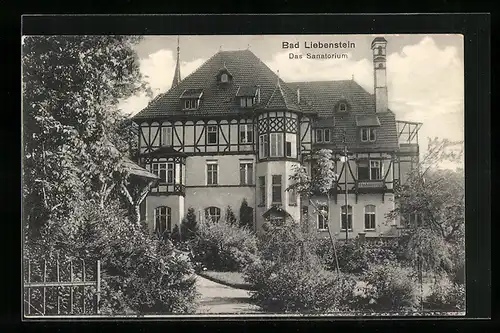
(220, 299)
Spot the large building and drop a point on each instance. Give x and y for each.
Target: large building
(233, 130)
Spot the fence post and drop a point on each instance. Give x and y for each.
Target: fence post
(71, 287)
(98, 285)
(83, 288)
(29, 288)
(44, 287)
(58, 287)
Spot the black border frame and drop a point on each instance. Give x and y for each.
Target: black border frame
(476, 30)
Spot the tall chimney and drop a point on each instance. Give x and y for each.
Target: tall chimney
(379, 46)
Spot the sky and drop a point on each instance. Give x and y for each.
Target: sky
(425, 73)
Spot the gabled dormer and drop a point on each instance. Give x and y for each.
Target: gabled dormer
(342, 106)
(248, 96)
(224, 76)
(191, 98)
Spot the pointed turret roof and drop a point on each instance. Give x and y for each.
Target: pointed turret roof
(177, 73)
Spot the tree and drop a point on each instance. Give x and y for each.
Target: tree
(189, 226)
(246, 214)
(230, 217)
(321, 182)
(71, 87)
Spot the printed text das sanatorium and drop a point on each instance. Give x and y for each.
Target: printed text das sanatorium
(319, 45)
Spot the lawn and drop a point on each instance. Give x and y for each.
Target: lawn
(231, 279)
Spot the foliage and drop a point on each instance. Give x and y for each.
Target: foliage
(189, 225)
(389, 287)
(71, 87)
(446, 296)
(298, 286)
(175, 236)
(246, 214)
(355, 257)
(139, 272)
(223, 246)
(230, 217)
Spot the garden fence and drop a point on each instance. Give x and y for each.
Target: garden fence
(69, 287)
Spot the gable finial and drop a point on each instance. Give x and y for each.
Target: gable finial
(278, 73)
(352, 78)
(248, 46)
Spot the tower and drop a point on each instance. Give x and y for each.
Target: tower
(379, 46)
(278, 150)
(177, 72)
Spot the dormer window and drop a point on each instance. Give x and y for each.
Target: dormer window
(368, 135)
(224, 78)
(248, 96)
(190, 99)
(246, 102)
(342, 107)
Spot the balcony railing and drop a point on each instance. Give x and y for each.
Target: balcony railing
(370, 184)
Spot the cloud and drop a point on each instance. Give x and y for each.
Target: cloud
(425, 83)
(158, 70)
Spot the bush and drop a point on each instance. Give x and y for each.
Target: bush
(140, 273)
(224, 247)
(446, 296)
(389, 287)
(298, 287)
(354, 258)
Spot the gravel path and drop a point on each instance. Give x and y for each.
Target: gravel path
(217, 298)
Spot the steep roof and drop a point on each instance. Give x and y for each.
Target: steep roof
(246, 70)
(325, 95)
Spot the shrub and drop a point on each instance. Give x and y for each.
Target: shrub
(140, 273)
(389, 287)
(224, 247)
(189, 225)
(354, 258)
(230, 217)
(246, 215)
(298, 286)
(446, 296)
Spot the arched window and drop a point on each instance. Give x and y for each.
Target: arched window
(380, 65)
(379, 49)
(224, 78)
(323, 217)
(342, 107)
(369, 217)
(346, 218)
(212, 214)
(163, 219)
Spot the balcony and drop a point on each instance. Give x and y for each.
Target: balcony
(408, 149)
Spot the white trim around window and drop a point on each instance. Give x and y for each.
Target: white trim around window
(370, 217)
(212, 173)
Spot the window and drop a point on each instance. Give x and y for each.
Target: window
(212, 135)
(166, 136)
(165, 171)
(224, 78)
(191, 104)
(323, 135)
(319, 135)
(369, 217)
(276, 144)
(163, 219)
(292, 198)
(379, 50)
(246, 102)
(246, 173)
(363, 170)
(342, 107)
(368, 135)
(346, 219)
(288, 149)
(263, 146)
(212, 214)
(276, 194)
(415, 220)
(212, 173)
(262, 190)
(375, 170)
(246, 133)
(323, 217)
